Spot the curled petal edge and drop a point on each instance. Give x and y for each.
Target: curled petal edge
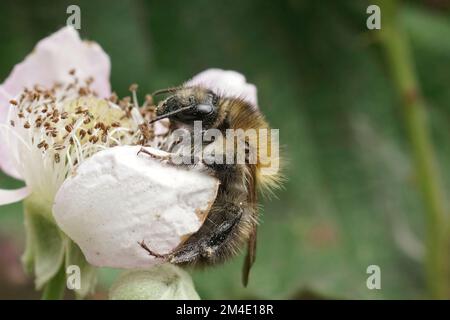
(12, 196)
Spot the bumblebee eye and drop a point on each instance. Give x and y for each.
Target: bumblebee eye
(204, 109)
(191, 100)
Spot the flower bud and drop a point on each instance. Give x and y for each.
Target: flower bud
(162, 282)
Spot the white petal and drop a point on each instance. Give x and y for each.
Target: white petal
(6, 164)
(117, 199)
(226, 82)
(11, 196)
(50, 62)
(53, 58)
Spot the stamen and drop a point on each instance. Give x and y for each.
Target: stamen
(67, 123)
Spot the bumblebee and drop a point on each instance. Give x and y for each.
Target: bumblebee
(233, 218)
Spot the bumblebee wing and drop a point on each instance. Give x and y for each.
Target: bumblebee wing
(251, 245)
(250, 257)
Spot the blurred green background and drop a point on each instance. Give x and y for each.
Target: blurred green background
(351, 197)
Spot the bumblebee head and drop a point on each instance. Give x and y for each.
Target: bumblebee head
(189, 104)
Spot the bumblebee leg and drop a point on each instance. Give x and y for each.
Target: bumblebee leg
(152, 253)
(209, 239)
(187, 253)
(220, 235)
(154, 156)
(170, 160)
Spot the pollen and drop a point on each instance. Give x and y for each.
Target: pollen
(70, 123)
(67, 123)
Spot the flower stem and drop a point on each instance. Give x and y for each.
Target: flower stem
(400, 62)
(54, 289)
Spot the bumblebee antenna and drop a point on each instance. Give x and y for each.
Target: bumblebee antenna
(162, 91)
(171, 89)
(169, 114)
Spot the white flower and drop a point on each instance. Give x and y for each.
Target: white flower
(55, 112)
(52, 131)
(49, 63)
(226, 82)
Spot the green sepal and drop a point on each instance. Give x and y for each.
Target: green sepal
(49, 252)
(74, 256)
(44, 252)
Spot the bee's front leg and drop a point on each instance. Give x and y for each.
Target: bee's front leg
(173, 159)
(153, 155)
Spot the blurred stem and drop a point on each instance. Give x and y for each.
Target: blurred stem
(399, 59)
(54, 289)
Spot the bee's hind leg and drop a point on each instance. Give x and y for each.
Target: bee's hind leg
(209, 240)
(151, 252)
(206, 243)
